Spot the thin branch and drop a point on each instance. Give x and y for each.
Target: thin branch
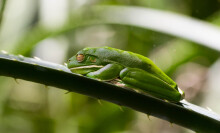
(50, 74)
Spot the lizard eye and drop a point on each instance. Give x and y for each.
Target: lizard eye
(92, 59)
(80, 57)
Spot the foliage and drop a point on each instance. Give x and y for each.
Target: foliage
(54, 32)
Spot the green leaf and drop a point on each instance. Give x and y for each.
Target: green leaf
(166, 22)
(182, 113)
(170, 23)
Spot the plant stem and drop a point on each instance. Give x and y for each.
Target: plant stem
(50, 74)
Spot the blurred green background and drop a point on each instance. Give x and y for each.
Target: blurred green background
(54, 30)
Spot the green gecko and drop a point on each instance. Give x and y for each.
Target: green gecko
(134, 70)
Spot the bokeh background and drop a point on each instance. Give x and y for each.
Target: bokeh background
(52, 30)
